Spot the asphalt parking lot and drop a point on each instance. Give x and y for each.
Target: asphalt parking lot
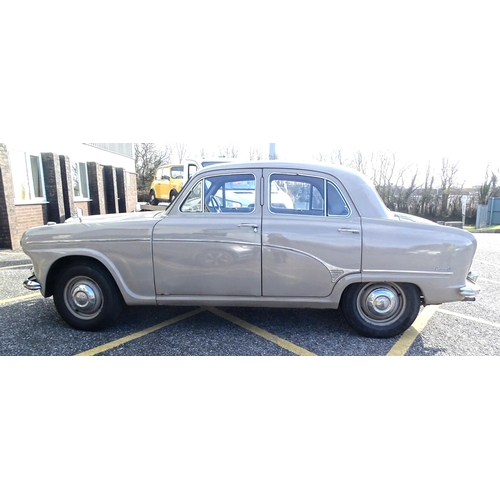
(32, 327)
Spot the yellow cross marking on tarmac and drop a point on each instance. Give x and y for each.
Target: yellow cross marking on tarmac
(137, 335)
(400, 348)
(14, 267)
(21, 298)
(285, 344)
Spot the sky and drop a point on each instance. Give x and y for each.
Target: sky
(420, 79)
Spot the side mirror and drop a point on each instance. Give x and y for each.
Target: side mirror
(165, 178)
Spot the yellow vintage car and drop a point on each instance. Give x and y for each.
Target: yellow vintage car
(167, 183)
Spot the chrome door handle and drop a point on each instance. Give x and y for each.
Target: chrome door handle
(254, 226)
(347, 230)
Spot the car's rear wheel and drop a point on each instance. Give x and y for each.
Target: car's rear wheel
(153, 200)
(87, 298)
(381, 310)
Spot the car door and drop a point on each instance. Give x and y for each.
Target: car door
(311, 235)
(210, 241)
(163, 184)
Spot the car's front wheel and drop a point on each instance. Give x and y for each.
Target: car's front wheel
(87, 298)
(381, 310)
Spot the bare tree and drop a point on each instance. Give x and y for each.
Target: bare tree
(229, 151)
(181, 149)
(334, 157)
(449, 172)
(358, 163)
(427, 196)
(148, 157)
(255, 153)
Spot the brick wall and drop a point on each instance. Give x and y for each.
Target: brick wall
(84, 205)
(27, 216)
(110, 189)
(53, 187)
(96, 188)
(7, 211)
(115, 191)
(130, 191)
(67, 185)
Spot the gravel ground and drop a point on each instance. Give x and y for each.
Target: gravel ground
(33, 328)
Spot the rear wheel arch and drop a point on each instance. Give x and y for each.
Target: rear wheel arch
(381, 309)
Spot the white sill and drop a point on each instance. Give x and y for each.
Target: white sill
(30, 202)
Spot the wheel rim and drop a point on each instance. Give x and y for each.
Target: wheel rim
(83, 296)
(381, 304)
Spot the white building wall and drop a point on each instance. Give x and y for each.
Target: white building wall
(77, 152)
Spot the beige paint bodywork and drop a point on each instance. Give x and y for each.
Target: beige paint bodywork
(261, 258)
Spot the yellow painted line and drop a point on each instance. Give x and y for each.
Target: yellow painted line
(285, 344)
(13, 267)
(472, 318)
(400, 348)
(137, 335)
(21, 298)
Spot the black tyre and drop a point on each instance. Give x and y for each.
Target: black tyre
(153, 200)
(381, 310)
(173, 195)
(87, 298)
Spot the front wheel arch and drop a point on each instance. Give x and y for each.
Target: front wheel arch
(381, 309)
(86, 296)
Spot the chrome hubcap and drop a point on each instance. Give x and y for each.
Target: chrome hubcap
(84, 297)
(381, 304)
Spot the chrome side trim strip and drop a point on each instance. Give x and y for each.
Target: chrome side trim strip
(403, 271)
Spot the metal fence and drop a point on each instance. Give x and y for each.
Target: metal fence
(488, 215)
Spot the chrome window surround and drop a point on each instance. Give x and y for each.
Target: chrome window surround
(203, 179)
(325, 187)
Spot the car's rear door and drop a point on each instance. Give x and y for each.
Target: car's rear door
(210, 242)
(311, 234)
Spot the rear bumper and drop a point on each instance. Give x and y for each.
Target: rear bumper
(470, 290)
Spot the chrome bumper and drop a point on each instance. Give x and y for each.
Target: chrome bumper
(32, 284)
(470, 290)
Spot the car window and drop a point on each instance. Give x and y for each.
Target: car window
(305, 195)
(176, 172)
(337, 205)
(222, 194)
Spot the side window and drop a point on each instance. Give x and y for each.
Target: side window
(337, 205)
(305, 195)
(222, 194)
(28, 176)
(296, 194)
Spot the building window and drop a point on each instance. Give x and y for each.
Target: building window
(80, 180)
(28, 176)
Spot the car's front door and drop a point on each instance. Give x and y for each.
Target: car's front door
(210, 242)
(311, 235)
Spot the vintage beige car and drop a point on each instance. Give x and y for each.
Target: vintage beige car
(258, 234)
